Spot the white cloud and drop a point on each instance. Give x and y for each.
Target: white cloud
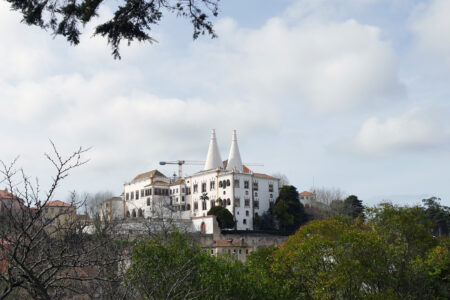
(417, 129)
(431, 26)
(331, 65)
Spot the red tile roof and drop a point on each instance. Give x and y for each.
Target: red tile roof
(4, 194)
(263, 176)
(246, 170)
(306, 193)
(57, 203)
(153, 173)
(179, 181)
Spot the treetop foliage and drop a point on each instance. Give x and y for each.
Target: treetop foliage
(223, 216)
(288, 209)
(132, 20)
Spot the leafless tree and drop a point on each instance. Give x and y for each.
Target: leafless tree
(45, 253)
(283, 179)
(328, 195)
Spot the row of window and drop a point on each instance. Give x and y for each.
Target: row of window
(227, 183)
(146, 192)
(234, 251)
(175, 191)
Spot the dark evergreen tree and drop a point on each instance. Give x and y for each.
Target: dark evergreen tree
(132, 20)
(223, 216)
(264, 222)
(353, 207)
(288, 209)
(438, 214)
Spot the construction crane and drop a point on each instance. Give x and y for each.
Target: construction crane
(180, 164)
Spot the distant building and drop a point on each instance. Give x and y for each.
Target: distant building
(308, 199)
(227, 183)
(113, 209)
(10, 202)
(60, 214)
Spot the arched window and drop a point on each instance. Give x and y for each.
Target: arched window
(228, 182)
(244, 221)
(203, 227)
(133, 213)
(220, 184)
(128, 213)
(188, 207)
(140, 214)
(228, 201)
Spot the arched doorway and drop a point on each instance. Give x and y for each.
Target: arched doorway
(133, 214)
(203, 227)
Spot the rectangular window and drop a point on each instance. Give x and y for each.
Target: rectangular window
(255, 185)
(212, 185)
(256, 204)
(246, 184)
(137, 195)
(195, 188)
(204, 205)
(132, 195)
(247, 213)
(204, 187)
(236, 183)
(182, 190)
(182, 198)
(142, 193)
(271, 187)
(247, 202)
(237, 202)
(127, 196)
(195, 205)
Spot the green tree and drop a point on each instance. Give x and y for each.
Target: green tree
(288, 210)
(353, 207)
(224, 217)
(438, 214)
(265, 222)
(132, 20)
(177, 268)
(390, 256)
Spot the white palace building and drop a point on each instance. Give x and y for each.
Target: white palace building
(227, 183)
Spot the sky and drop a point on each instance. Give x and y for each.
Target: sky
(348, 94)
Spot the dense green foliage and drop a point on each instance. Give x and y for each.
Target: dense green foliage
(224, 217)
(389, 255)
(132, 20)
(176, 268)
(288, 210)
(438, 214)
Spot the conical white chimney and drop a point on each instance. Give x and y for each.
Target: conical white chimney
(213, 159)
(234, 159)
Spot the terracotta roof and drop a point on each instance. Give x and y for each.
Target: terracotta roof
(246, 170)
(160, 183)
(153, 173)
(57, 203)
(4, 194)
(263, 176)
(179, 181)
(306, 193)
